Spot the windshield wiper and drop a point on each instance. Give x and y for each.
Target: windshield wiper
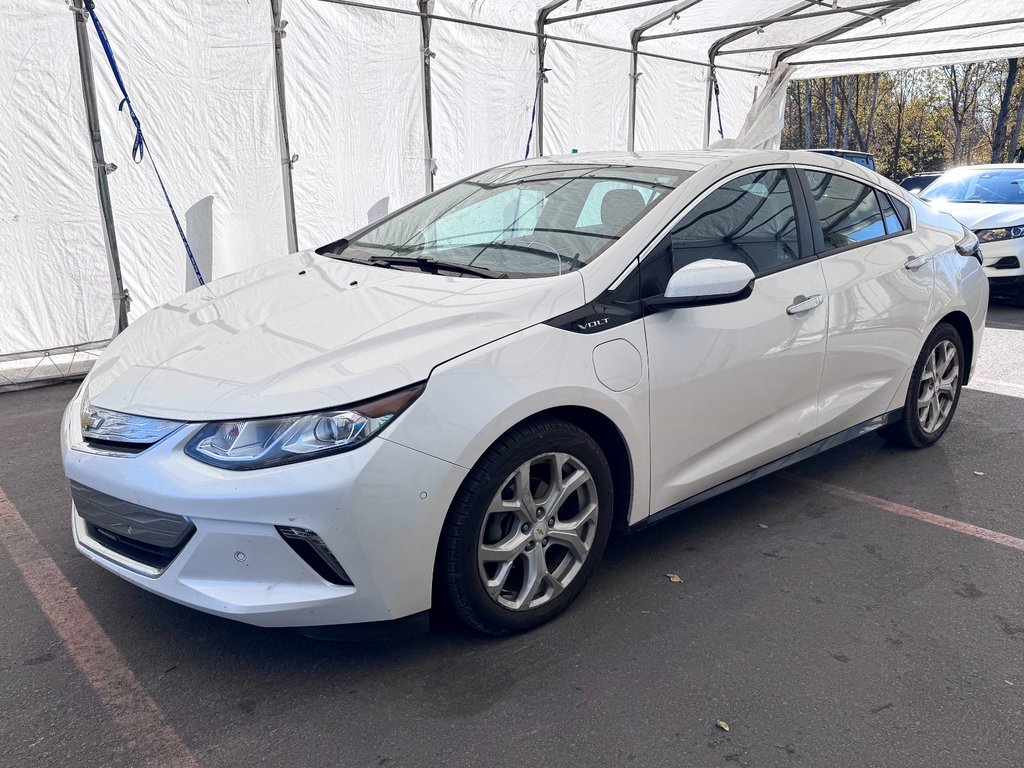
(429, 264)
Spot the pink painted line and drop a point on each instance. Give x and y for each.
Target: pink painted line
(949, 523)
(150, 738)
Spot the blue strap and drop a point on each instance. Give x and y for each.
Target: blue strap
(718, 103)
(533, 119)
(139, 146)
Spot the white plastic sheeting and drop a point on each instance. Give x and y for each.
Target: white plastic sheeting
(202, 79)
(54, 282)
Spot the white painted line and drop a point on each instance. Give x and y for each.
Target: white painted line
(949, 523)
(149, 737)
(985, 383)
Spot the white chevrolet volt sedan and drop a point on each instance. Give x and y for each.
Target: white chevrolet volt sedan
(461, 401)
(989, 200)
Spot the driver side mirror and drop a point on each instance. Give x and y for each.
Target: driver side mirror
(704, 282)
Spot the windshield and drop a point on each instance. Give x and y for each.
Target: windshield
(979, 185)
(527, 221)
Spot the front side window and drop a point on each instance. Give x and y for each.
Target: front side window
(848, 210)
(751, 219)
(526, 221)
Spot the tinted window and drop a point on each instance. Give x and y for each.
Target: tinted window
(893, 224)
(750, 219)
(848, 210)
(904, 212)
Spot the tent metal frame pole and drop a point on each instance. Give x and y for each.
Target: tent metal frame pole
(426, 55)
(100, 167)
(825, 37)
(612, 9)
(886, 36)
(635, 37)
(790, 14)
(287, 158)
(769, 20)
(909, 54)
(542, 78)
(533, 34)
(738, 34)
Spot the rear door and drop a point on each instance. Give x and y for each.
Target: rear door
(735, 385)
(879, 294)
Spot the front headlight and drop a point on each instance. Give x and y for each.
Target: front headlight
(260, 443)
(1003, 233)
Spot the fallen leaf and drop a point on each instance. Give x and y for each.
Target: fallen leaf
(761, 525)
(723, 725)
(979, 474)
(674, 578)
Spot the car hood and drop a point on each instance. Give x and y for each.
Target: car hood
(982, 215)
(308, 332)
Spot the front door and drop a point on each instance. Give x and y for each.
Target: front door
(735, 386)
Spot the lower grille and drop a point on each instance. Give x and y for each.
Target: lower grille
(139, 533)
(315, 553)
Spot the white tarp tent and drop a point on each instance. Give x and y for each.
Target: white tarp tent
(202, 76)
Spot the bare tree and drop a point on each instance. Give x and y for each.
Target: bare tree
(871, 115)
(808, 135)
(962, 84)
(999, 136)
(1015, 135)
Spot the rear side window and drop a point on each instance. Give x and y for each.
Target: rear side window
(750, 219)
(848, 210)
(904, 213)
(893, 223)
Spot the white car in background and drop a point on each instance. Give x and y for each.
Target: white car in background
(989, 199)
(465, 398)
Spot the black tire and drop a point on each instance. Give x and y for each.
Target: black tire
(460, 571)
(909, 431)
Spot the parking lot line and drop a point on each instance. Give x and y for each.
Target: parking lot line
(149, 736)
(917, 514)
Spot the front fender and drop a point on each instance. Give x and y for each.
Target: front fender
(472, 400)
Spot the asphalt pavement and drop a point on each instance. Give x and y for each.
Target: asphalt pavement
(862, 609)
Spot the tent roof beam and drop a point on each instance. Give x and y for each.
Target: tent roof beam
(533, 34)
(907, 54)
(880, 36)
(636, 35)
(611, 9)
(769, 20)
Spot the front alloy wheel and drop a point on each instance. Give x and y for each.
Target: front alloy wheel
(527, 528)
(538, 531)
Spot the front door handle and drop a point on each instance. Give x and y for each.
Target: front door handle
(916, 262)
(803, 304)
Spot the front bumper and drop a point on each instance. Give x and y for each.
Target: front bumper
(379, 508)
(1007, 279)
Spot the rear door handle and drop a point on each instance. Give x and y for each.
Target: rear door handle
(917, 262)
(803, 304)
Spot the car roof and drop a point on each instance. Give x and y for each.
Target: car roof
(689, 160)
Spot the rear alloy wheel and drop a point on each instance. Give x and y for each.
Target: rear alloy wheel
(528, 528)
(933, 393)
